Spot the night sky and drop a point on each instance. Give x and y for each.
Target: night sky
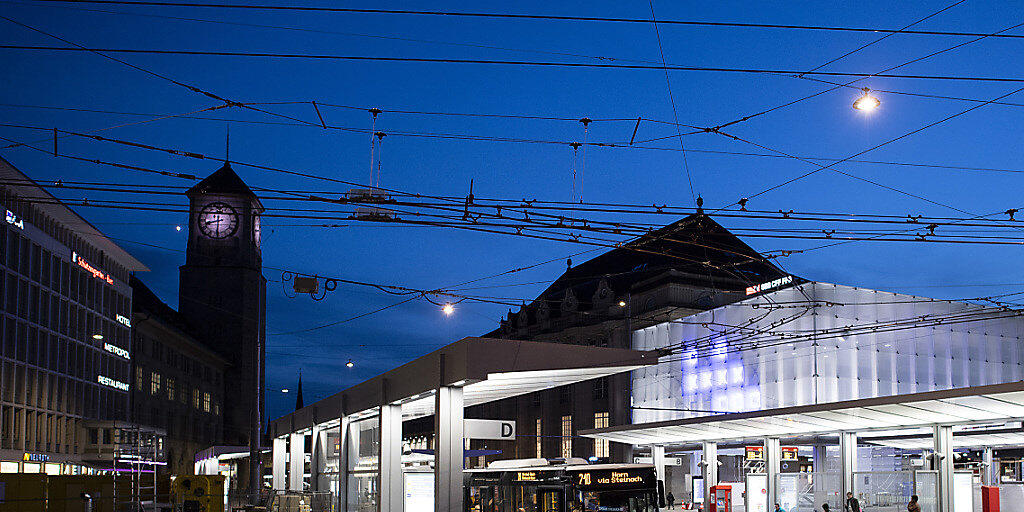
(424, 257)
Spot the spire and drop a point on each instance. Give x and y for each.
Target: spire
(298, 394)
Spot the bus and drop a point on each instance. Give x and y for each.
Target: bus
(562, 485)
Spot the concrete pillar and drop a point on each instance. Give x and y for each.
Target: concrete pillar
(772, 464)
(448, 451)
(318, 460)
(942, 461)
(278, 466)
(710, 469)
(347, 451)
(296, 461)
(820, 458)
(658, 459)
(390, 482)
(848, 462)
(989, 473)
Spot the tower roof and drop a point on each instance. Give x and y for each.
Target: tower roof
(223, 181)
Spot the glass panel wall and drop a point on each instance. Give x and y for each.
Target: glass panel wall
(363, 465)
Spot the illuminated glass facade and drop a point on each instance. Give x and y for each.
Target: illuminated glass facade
(63, 350)
(817, 342)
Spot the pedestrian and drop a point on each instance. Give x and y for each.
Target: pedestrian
(852, 505)
(778, 508)
(913, 506)
(824, 507)
(670, 499)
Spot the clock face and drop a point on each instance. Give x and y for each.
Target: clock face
(218, 220)
(256, 229)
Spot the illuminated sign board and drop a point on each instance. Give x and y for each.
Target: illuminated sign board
(123, 320)
(13, 220)
(116, 350)
(755, 453)
(616, 478)
(36, 457)
(790, 453)
(526, 476)
(770, 285)
(116, 384)
(97, 273)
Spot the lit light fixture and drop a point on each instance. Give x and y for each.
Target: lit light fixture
(867, 102)
(97, 336)
(177, 228)
(622, 303)
(448, 309)
(285, 390)
(350, 364)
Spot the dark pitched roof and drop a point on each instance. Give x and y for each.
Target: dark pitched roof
(698, 249)
(145, 301)
(224, 181)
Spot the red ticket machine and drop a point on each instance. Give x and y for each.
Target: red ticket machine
(989, 499)
(721, 498)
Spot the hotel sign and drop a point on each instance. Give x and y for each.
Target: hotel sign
(116, 350)
(770, 285)
(116, 384)
(123, 320)
(97, 273)
(13, 220)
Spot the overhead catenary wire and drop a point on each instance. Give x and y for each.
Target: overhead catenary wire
(549, 64)
(465, 14)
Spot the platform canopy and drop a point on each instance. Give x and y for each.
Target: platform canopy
(487, 369)
(994, 403)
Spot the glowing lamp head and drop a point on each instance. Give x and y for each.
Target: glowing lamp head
(622, 303)
(97, 336)
(448, 309)
(867, 102)
(284, 390)
(350, 364)
(177, 228)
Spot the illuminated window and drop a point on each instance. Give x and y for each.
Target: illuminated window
(195, 398)
(154, 383)
(600, 445)
(170, 389)
(539, 439)
(139, 379)
(566, 437)
(206, 402)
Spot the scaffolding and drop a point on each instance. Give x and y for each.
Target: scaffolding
(136, 457)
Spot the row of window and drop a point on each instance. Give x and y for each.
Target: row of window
(161, 387)
(24, 385)
(32, 431)
(24, 342)
(29, 302)
(175, 359)
(565, 444)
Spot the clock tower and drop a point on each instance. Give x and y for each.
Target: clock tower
(222, 294)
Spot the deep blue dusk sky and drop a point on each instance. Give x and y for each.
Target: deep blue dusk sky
(420, 257)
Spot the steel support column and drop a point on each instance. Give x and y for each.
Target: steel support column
(658, 459)
(942, 460)
(279, 451)
(296, 461)
(989, 475)
(349, 452)
(389, 478)
(448, 451)
(710, 468)
(772, 461)
(848, 462)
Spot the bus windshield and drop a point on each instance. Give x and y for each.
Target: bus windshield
(614, 501)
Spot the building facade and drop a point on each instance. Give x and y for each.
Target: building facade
(65, 330)
(686, 267)
(179, 382)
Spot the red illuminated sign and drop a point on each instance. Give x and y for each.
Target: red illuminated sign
(97, 273)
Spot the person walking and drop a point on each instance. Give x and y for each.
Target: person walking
(824, 507)
(852, 504)
(913, 506)
(670, 499)
(778, 508)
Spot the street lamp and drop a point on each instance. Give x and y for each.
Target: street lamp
(448, 309)
(867, 102)
(285, 390)
(97, 336)
(350, 364)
